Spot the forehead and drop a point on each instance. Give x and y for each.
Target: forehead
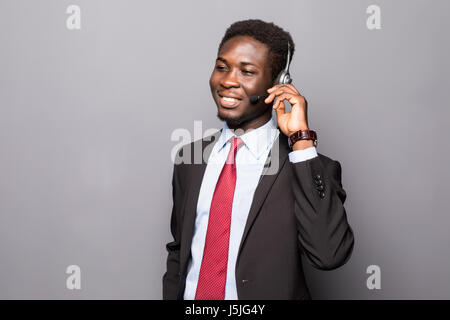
(245, 48)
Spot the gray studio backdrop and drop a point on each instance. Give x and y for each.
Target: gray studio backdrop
(86, 118)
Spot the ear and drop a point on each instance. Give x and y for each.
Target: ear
(274, 82)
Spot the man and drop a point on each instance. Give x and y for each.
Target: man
(240, 231)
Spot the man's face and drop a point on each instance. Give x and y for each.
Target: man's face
(242, 69)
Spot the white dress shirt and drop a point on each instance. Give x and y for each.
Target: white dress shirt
(250, 160)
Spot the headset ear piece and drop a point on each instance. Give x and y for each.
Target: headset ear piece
(284, 76)
(288, 79)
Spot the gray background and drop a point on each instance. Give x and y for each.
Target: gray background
(86, 118)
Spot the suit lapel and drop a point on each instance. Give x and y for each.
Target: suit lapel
(281, 150)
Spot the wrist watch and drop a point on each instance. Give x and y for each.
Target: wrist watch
(302, 135)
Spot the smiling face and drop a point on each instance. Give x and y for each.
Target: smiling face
(242, 70)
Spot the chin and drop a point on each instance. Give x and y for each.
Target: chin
(231, 122)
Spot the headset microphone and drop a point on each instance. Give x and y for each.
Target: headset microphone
(255, 99)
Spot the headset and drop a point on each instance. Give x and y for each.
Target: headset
(283, 78)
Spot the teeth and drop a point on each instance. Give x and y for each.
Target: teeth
(229, 99)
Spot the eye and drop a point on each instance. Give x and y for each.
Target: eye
(220, 67)
(247, 72)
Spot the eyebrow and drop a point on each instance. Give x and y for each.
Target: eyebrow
(244, 63)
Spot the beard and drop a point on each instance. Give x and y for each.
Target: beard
(238, 122)
(231, 122)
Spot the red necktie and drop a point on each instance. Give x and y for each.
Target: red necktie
(213, 271)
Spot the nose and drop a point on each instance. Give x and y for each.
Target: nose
(230, 80)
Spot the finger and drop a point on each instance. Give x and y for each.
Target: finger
(291, 86)
(278, 92)
(276, 100)
(294, 100)
(273, 88)
(287, 87)
(280, 108)
(280, 100)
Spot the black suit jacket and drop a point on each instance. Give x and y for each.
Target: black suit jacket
(288, 218)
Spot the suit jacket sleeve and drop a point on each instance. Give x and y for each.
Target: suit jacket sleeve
(171, 278)
(324, 234)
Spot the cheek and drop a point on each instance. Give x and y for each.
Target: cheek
(213, 80)
(254, 86)
(251, 89)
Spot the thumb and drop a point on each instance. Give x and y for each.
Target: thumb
(280, 108)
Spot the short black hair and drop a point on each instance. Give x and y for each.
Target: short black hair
(268, 33)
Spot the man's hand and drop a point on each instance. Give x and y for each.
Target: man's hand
(296, 119)
(292, 121)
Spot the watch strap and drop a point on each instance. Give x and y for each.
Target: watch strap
(302, 135)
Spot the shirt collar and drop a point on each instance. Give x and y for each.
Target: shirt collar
(256, 140)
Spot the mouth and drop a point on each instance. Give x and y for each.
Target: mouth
(228, 102)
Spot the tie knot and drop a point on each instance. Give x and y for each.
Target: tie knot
(235, 144)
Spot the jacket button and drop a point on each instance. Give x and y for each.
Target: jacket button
(320, 187)
(322, 194)
(318, 182)
(317, 177)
